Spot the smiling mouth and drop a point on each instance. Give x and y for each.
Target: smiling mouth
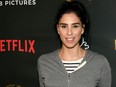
(70, 39)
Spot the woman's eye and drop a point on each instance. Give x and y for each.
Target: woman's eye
(63, 26)
(75, 26)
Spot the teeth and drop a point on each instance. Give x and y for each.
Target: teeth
(70, 39)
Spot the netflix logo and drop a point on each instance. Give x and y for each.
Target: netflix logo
(17, 45)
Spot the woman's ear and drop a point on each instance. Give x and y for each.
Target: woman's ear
(57, 28)
(83, 27)
(82, 31)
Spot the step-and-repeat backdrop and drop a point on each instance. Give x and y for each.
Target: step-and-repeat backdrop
(27, 31)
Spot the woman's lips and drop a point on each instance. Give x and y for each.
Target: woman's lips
(70, 39)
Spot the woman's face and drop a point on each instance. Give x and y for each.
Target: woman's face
(70, 29)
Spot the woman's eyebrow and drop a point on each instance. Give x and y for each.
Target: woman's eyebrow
(76, 23)
(67, 24)
(63, 24)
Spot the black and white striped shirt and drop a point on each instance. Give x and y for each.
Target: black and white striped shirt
(71, 66)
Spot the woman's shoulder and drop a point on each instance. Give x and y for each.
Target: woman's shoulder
(99, 59)
(96, 55)
(48, 55)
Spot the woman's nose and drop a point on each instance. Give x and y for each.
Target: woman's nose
(69, 32)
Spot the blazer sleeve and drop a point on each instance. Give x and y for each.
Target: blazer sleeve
(41, 79)
(105, 80)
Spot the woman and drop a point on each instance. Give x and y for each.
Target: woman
(72, 65)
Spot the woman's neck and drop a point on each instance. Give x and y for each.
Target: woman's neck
(71, 54)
